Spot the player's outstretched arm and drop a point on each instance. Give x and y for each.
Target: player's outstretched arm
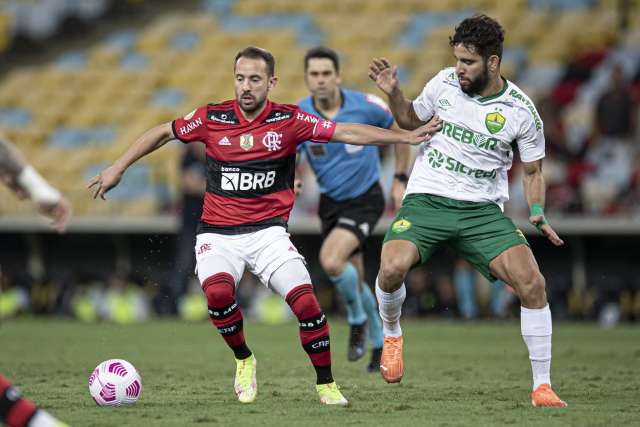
(535, 192)
(385, 77)
(150, 141)
(359, 134)
(26, 182)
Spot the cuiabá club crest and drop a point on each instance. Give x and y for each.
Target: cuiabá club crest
(494, 122)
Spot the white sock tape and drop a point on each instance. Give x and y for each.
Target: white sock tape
(38, 188)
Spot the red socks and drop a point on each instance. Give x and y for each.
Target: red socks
(225, 313)
(314, 330)
(15, 410)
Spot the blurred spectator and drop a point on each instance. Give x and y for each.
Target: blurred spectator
(124, 301)
(615, 115)
(612, 152)
(564, 164)
(628, 199)
(13, 298)
(86, 300)
(193, 182)
(612, 160)
(192, 305)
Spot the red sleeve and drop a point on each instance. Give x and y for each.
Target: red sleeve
(192, 126)
(312, 128)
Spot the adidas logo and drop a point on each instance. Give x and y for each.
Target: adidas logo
(224, 141)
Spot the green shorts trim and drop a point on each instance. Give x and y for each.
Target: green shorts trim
(479, 231)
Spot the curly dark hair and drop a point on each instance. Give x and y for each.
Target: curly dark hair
(482, 33)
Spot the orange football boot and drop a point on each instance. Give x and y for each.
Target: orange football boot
(391, 364)
(544, 396)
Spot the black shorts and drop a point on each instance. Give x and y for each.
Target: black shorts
(359, 215)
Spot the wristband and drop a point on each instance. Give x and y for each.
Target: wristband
(538, 210)
(402, 177)
(39, 190)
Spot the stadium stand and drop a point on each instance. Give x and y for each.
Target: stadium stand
(101, 96)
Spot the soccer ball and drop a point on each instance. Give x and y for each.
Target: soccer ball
(115, 382)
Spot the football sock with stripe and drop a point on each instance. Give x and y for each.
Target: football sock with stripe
(225, 313)
(314, 330)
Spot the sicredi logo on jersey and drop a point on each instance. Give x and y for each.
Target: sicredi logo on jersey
(234, 180)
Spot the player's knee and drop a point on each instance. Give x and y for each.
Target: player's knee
(219, 289)
(331, 264)
(532, 290)
(392, 273)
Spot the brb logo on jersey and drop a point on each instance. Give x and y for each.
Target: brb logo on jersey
(272, 140)
(234, 180)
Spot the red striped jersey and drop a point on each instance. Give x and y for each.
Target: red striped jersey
(250, 165)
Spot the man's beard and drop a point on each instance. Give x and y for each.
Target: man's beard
(256, 106)
(479, 84)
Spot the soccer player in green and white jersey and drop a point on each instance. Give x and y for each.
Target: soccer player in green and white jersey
(458, 186)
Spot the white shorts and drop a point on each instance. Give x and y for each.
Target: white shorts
(262, 252)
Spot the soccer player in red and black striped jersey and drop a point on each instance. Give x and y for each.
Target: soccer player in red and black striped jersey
(21, 178)
(18, 411)
(251, 149)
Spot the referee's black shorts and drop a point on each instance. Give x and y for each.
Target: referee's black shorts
(359, 215)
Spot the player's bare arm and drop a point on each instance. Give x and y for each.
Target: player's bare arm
(534, 190)
(385, 77)
(150, 141)
(26, 182)
(401, 153)
(359, 134)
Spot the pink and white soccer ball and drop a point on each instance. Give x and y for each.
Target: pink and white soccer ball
(115, 382)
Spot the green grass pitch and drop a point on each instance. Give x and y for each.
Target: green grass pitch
(455, 374)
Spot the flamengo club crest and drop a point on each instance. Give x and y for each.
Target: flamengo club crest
(272, 140)
(246, 141)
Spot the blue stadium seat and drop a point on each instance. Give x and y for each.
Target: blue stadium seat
(72, 60)
(134, 62)
(422, 24)
(70, 137)
(124, 40)
(169, 98)
(218, 7)
(185, 41)
(305, 27)
(543, 77)
(562, 4)
(14, 117)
